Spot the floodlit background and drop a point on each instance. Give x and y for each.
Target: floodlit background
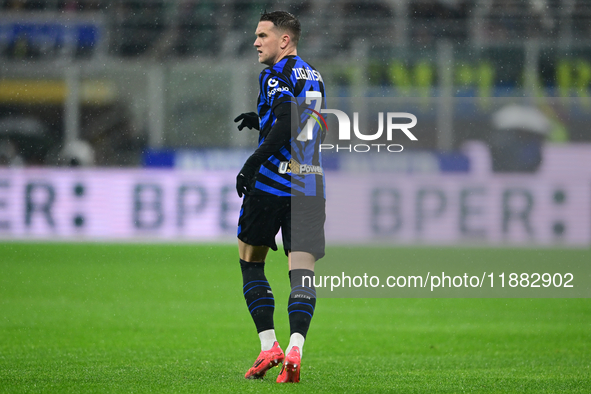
(122, 90)
(116, 125)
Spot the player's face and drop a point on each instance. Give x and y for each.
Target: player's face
(268, 42)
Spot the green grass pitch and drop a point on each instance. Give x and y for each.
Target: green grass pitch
(171, 318)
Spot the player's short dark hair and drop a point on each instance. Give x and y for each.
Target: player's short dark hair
(284, 21)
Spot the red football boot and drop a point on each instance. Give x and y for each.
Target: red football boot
(265, 361)
(291, 367)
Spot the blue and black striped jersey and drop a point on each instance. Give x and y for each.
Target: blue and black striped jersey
(296, 169)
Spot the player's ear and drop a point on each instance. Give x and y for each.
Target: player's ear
(285, 40)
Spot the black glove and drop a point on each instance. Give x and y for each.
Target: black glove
(249, 119)
(245, 180)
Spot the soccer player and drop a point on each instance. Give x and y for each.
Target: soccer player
(283, 187)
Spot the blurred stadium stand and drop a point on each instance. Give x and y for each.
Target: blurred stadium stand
(162, 28)
(128, 75)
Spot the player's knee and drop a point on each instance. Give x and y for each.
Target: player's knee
(302, 260)
(252, 254)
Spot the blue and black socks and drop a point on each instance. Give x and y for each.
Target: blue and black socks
(261, 303)
(302, 300)
(258, 295)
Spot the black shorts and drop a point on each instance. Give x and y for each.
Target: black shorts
(301, 220)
